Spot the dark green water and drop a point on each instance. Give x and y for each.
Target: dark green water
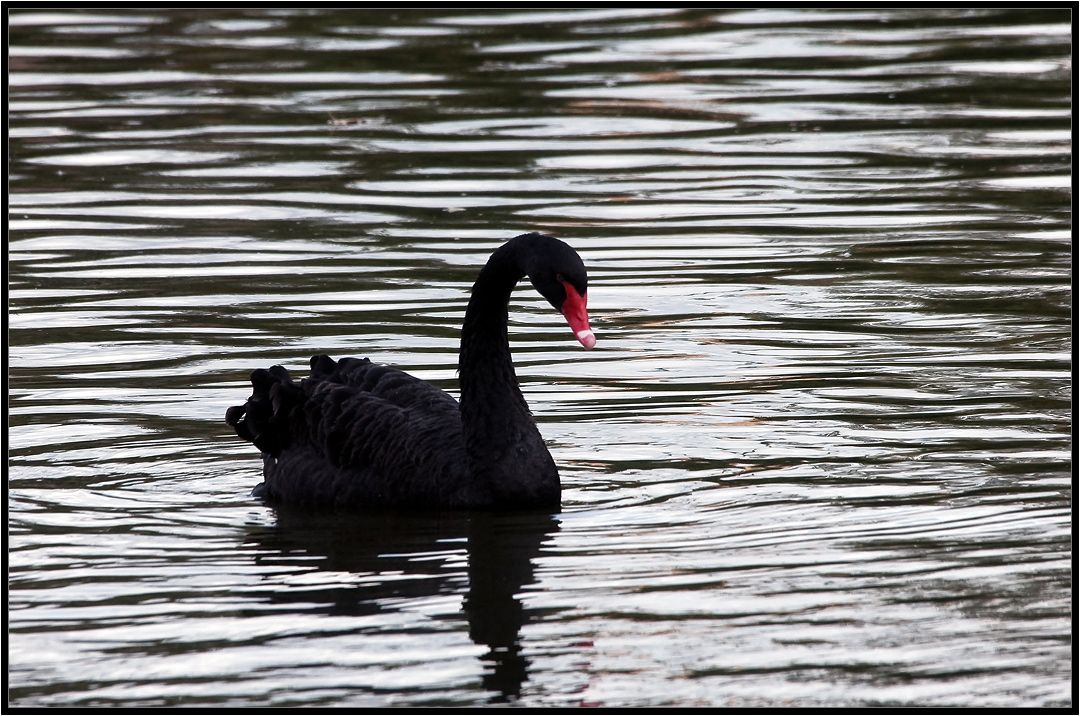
(821, 453)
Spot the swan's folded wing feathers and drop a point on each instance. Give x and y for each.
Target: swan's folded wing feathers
(390, 384)
(398, 444)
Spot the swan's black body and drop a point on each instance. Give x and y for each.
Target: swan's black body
(355, 434)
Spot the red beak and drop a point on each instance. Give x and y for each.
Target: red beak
(573, 310)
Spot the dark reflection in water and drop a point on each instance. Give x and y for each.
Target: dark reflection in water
(420, 554)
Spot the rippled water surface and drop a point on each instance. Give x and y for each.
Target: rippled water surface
(819, 457)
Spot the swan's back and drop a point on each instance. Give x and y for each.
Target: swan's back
(356, 434)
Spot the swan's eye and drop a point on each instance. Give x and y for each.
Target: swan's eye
(559, 278)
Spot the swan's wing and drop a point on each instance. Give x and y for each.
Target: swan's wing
(354, 432)
(382, 381)
(371, 415)
(371, 402)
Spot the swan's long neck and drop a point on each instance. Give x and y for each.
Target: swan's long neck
(505, 449)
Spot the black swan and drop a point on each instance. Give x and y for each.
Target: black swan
(359, 435)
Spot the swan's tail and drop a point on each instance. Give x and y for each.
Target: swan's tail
(264, 419)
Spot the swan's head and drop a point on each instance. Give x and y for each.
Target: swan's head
(557, 272)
